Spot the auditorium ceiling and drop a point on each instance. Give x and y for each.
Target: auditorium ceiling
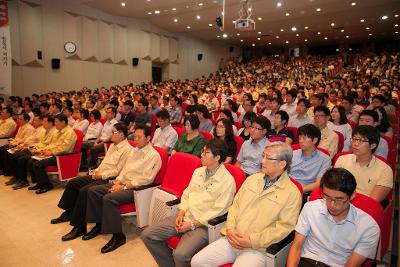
(277, 22)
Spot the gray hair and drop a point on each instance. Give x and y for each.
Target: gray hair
(285, 153)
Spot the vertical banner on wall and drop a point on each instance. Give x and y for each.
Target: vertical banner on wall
(5, 50)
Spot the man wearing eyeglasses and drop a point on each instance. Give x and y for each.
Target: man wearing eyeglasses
(249, 158)
(331, 231)
(329, 139)
(374, 177)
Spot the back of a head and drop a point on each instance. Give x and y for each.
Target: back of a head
(339, 179)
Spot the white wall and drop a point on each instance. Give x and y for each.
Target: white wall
(105, 47)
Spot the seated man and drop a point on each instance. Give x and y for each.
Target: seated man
(280, 132)
(309, 164)
(371, 117)
(208, 195)
(73, 200)
(301, 117)
(165, 136)
(103, 201)
(331, 231)
(97, 146)
(175, 111)
(374, 177)
(63, 142)
(329, 139)
(264, 212)
(249, 158)
(290, 105)
(7, 124)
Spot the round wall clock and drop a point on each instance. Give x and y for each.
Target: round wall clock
(70, 47)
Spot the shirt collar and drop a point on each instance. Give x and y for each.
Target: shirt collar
(121, 144)
(351, 215)
(313, 154)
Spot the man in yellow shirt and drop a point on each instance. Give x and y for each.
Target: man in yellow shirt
(208, 195)
(63, 142)
(264, 212)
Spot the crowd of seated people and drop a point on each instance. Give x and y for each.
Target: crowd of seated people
(294, 119)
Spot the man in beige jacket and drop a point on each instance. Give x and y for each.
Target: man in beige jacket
(264, 212)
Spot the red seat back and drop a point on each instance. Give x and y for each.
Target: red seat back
(294, 131)
(179, 172)
(179, 131)
(239, 142)
(299, 186)
(340, 143)
(206, 135)
(153, 124)
(103, 121)
(238, 125)
(164, 163)
(237, 173)
(79, 140)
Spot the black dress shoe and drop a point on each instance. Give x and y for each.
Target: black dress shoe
(12, 181)
(92, 233)
(43, 189)
(20, 184)
(64, 217)
(75, 233)
(115, 242)
(35, 187)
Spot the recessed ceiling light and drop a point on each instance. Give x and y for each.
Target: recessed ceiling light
(173, 9)
(175, 20)
(259, 32)
(318, 9)
(370, 34)
(238, 34)
(210, 24)
(259, 18)
(347, 36)
(342, 30)
(148, 0)
(384, 17)
(326, 38)
(306, 27)
(287, 42)
(282, 30)
(253, 44)
(269, 43)
(396, 25)
(249, 9)
(222, 13)
(200, 4)
(305, 40)
(122, 3)
(396, 15)
(367, 28)
(218, 36)
(188, 27)
(149, 13)
(396, 32)
(354, 3)
(241, 40)
(279, 4)
(297, 34)
(225, 35)
(233, 21)
(362, 20)
(157, 12)
(318, 33)
(287, 14)
(198, 17)
(258, 38)
(294, 29)
(277, 37)
(332, 24)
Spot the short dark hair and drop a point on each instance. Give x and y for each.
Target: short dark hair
(129, 103)
(61, 117)
(228, 113)
(370, 133)
(263, 122)
(284, 116)
(372, 113)
(26, 116)
(154, 97)
(277, 100)
(203, 110)
(193, 121)
(349, 98)
(163, 114)
(58, 105)
(339, 179)
(146, 129)
(305, 101)
(49, 118)
(292, 93)
(113, 110)
(96, 114)
(122, 128)
(323, 109)
(249, 115)
(8, 110)
(218, 147)
(311, 131)
(320, 97)
(84, 113)
(144, 102)
(45, 105)
(69, 109)
(381, 98)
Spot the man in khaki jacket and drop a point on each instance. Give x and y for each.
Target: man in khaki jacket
(264, 212)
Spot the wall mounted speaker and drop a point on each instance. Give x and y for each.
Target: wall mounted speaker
(55, 63)
(199, 57)
(39, 55)
(135, 61)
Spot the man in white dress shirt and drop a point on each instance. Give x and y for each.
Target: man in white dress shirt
(165, 136)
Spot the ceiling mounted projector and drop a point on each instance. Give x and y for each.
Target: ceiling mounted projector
(245, 25)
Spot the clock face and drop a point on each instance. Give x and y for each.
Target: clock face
(70, 47)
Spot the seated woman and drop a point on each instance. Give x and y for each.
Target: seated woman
(95, 128)
(227, 114)
(190, 142)
(246, 123)
(192, 107)
(223, 130)
(232, 107)
(338, 122)
(81, 123)
(280, 132)
(383, 123)
(205, 118)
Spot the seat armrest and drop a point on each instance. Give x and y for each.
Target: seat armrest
(173, 202)
(218, 220)
(66, 154)
(142, 187)
(275, 248)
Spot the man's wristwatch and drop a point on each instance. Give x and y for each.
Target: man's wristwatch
(192, 226)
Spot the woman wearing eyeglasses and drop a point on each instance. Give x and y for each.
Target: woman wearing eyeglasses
(223, 130)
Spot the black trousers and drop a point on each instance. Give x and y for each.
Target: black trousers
(90, 159)
(74, 198)
(3, 157)
(38, 170)
(18, 164)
